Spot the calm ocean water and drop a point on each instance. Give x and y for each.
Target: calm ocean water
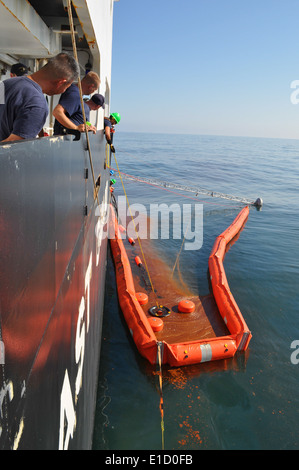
(248, 402)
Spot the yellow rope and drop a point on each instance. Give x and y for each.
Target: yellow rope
(177, 258)
(70, 15)
(161, 392)
(138, 238)
(161, 406)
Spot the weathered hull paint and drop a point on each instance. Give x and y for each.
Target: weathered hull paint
(52, 275)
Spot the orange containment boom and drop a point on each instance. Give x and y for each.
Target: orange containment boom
(226, 303)
(189, 352)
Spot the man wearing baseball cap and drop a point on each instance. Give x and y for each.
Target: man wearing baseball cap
(18, 70)
(95, 102)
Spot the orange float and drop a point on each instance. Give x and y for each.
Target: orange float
(143, 327)
(138, 261)
(226, 303)
(156, 323)
(142, 298)
(186, 306)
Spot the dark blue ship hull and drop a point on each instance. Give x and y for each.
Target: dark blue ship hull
(52, 274)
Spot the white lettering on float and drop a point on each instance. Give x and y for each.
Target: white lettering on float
(67, 404)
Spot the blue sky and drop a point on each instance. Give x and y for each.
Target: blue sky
(221, 67)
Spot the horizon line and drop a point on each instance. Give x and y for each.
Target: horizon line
(207, 135)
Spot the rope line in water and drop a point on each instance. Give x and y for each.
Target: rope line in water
(138, 238)
(159, 346)
(164, 184)
(176, 264)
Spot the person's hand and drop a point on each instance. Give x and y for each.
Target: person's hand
(81, 127)
(90, 128)
(112, 149)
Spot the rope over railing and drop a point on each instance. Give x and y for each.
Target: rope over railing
(70, 15)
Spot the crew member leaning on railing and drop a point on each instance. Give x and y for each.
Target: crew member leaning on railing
(68, 112)
(109, 130)
(23, 107)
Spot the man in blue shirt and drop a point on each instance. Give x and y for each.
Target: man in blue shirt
(68, 113)
(23, 108)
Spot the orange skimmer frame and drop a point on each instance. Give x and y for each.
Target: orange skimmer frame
(189, 352)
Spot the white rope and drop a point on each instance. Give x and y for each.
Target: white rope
(164, 184)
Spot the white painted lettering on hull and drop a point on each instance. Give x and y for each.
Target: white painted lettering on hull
(67, 403)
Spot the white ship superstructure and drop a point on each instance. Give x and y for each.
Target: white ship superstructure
(33, 31)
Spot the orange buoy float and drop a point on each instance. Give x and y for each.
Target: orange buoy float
(156, 323)
(142, 298)
(131, 241)
(186, 306)
(138, 261)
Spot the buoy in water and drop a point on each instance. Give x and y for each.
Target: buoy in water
(159, 311)
(142, 298)
(138, 261)
(156, 323)
(258, 202)
(186, 306)
(131, 241)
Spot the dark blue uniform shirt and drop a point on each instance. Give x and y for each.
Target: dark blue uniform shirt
(71, 103)
(23, 108)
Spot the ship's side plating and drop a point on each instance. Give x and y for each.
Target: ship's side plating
(53, 258)
(52, 274)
